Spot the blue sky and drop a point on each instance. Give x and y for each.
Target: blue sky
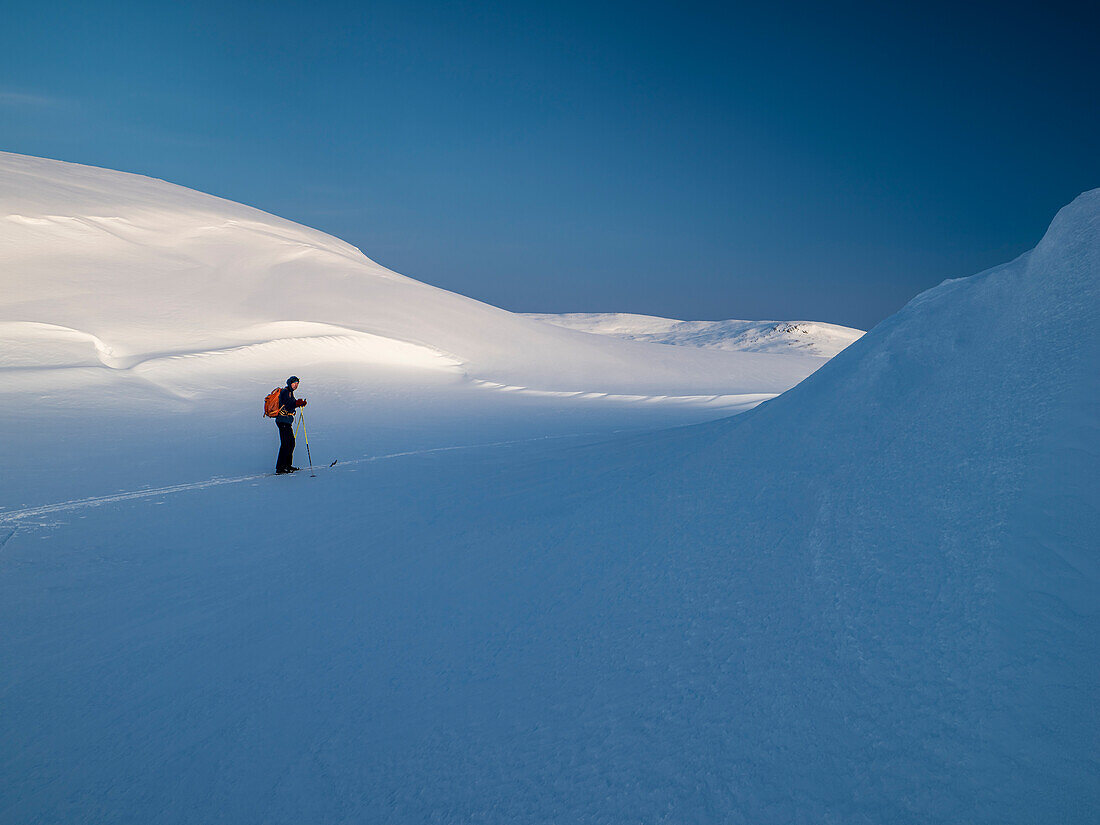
(694, 160)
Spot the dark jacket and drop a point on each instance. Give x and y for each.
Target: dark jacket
(287, 406)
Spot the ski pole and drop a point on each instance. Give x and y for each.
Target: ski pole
(305, 434)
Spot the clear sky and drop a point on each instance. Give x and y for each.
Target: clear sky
(694, 160)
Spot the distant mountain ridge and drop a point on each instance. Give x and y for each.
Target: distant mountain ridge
(811, 337)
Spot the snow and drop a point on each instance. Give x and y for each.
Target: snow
(133, 311)
(811, 337)
(872, 598)
(129, 273)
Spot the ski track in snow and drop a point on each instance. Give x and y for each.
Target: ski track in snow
(18, 516)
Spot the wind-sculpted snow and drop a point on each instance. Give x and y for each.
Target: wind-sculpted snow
(140, 269)
(872, 599)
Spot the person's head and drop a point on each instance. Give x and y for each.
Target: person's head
(292, 382)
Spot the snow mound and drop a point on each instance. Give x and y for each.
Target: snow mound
(102, 269)
(812, 337)
(878, 595)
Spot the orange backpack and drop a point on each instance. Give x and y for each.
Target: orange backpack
(271, 403)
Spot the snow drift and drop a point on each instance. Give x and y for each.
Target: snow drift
(883, 586)
(103, 268)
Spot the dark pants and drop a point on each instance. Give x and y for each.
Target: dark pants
(286, 446)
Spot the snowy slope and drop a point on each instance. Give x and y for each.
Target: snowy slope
(106, 269)
(812, 337)
(894, 568)
(875, 598)
(141, 322)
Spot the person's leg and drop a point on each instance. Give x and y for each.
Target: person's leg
(286, 447)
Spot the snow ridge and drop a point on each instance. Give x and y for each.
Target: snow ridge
(141, 270)
(811, 337)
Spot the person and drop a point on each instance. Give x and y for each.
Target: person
(288, 405)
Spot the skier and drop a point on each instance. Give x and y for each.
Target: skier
(288, 405)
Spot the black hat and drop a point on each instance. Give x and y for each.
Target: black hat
(291, 380)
